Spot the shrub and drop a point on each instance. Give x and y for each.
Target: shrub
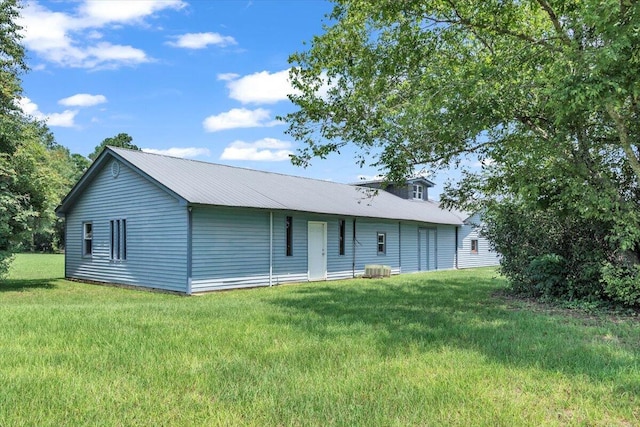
(622, 282)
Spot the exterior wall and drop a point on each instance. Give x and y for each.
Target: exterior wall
(485, 256)
(231, 247)
(367, 244)
(446, 247)
(156, 235)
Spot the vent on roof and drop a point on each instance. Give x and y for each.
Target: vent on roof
(373, 270)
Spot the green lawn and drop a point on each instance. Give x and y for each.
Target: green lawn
(423, 349)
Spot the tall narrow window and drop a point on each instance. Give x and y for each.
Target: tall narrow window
(87, 239)
(342, 237)
(118, 239)
(474, 246)
(289, 241)
(417, 191)
(382, 243)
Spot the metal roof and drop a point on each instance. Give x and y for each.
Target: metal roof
(206, 183)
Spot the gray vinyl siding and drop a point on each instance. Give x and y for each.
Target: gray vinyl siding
(291, 268)
(367, 244)
(339, 266)
(485, 256)
(446, 247)
(230, 248)
(409, 238)
(156, 236)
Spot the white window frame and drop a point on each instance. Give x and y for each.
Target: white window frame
(382, 242)
(418, 191)
(87, 239)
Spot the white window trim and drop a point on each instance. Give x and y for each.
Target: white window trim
(418, 192)
(384, 243)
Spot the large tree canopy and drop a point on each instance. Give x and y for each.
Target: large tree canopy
(422, 82)
(544, 92)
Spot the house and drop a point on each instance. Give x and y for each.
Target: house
(181, 225)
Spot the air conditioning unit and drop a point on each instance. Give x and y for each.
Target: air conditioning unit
(373, 270)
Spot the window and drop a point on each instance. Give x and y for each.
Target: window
(417, 191)
(474, 246)
(118, 239)
(342, 236)
(289, 242)
(382, 243)
(87, 239)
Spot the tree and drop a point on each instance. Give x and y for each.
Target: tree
(19, 198)
(427, 81)
(121, 140)
(546, 93)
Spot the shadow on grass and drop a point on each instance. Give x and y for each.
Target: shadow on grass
(425, 314)
(23, 285)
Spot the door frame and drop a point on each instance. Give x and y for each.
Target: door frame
(312, 249)
(426, 249)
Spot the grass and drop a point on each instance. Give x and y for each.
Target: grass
(423, 349)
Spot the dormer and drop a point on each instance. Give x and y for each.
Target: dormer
(413, 189)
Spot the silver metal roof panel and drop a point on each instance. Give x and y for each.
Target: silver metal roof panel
(206, 183)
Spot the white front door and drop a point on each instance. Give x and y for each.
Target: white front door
(317, 250)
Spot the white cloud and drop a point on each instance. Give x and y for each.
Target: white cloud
(259, 88)
(239, 118)
(184, 152)
(228, 76)
(83, 100)
(69, 39)
(64, 119)
(263, 150)
(201, 40)
(102, 12)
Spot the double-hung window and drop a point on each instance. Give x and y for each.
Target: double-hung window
(118, 229)
(417, 192)
(382, 243)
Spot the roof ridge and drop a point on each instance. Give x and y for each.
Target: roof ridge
(228, 166)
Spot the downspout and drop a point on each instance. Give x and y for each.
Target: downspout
(400, 246)
(271, 248)
(456, 245)
(66, 240)
(189, 249)
(353, 251)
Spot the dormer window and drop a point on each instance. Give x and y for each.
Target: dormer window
(417, 191)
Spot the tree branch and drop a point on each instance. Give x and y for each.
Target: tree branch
(528, 122)
(554, 20)
(623, 135)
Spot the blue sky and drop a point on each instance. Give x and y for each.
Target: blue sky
(196, 79)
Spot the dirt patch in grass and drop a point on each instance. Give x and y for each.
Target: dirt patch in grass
(586, 312)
